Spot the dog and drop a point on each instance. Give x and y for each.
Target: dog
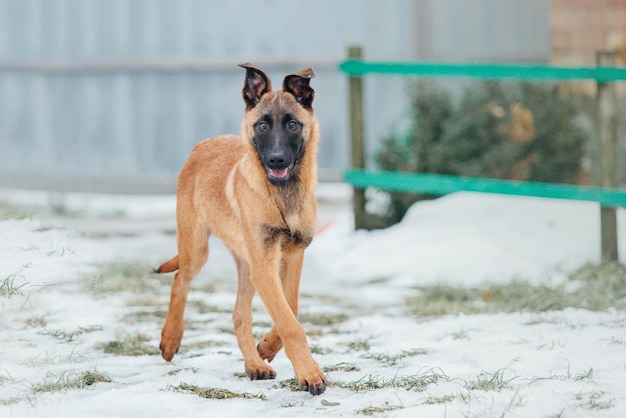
(255, 192)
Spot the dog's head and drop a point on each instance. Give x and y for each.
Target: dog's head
(278, 122)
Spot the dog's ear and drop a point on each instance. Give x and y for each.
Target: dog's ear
(255, 85)
(298, 85)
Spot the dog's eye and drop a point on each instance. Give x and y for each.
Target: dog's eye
(292, 125)
(262, 126)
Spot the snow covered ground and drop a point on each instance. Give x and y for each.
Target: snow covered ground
(75, 284)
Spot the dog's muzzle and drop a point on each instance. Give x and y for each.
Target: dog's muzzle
(279, 176)
(278, 167)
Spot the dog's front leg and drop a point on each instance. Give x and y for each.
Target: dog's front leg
(290, 273)
(256, 368)
(265, 277)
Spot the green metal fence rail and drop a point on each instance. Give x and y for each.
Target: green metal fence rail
(485, 71)
(438, 184)
(604, 74)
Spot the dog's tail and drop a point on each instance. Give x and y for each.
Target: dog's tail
(169, 266)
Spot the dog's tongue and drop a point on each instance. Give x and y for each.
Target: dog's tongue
(278, 173)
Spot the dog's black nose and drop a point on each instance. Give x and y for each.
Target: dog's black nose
(277, 159)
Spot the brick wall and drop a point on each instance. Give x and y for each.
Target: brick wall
(579, 28)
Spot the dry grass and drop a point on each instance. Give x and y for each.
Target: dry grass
(344, 367)
(594, 286)
(119, 277)
(417, 383)
(490, 381)
(213, 393)
(377, 410)
(130, 345)
(8, 211)
(393, 359)
(70, 380)
(36, 322)
(69, 336)
(8, 287)
(322, 319)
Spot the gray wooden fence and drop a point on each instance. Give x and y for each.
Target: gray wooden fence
(112, 90)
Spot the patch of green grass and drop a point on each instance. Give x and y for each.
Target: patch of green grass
(594, 286)
(130, 345)
(8, 287)
(213, 393)
(70, 380)
(124, 277)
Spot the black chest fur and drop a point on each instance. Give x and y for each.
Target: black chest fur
(272, 234)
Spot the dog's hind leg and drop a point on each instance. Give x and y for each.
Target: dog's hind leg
(193, 251)
(256, 368)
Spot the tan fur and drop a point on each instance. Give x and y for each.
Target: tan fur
(223, 190)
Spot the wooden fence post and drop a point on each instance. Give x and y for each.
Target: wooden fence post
(357, 136)
(606, 131)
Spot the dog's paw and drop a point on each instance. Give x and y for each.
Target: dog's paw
(169, 347)
(311, 379)
(260, 372)
(171, 336)
(314, 385)
(268, 351)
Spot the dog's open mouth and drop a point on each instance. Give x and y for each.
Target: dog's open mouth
(279, 173)
(279, 176)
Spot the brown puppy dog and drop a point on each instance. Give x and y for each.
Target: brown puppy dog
(256, 193)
